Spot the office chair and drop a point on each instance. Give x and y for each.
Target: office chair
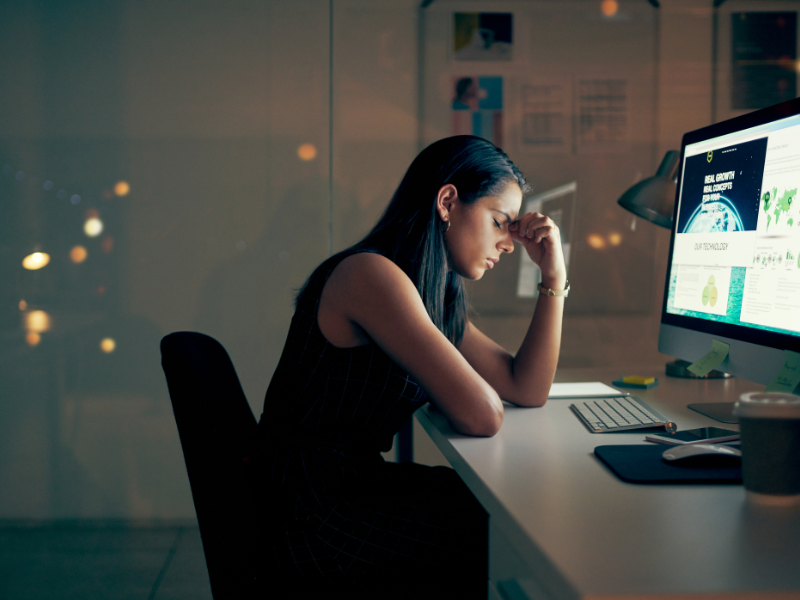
(218, 432)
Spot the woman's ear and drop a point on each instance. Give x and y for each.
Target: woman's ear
(446, 200)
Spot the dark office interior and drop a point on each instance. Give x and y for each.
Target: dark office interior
(183, 166)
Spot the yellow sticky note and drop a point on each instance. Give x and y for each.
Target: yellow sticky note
(789, 375)
(638, 379)
(709, 362)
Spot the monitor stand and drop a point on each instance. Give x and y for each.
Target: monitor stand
(719, 411)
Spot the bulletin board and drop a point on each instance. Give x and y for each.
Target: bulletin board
(569, 94)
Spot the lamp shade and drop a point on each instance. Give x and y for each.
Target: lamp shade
(653, 198)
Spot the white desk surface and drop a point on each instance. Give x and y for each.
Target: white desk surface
(586, 534)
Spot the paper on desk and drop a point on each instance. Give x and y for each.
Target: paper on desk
(789, 376)
(709, 362)
(584, 389)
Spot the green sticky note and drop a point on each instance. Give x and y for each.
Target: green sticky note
(702, 367)
(789, 375)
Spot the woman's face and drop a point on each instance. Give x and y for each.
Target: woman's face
(478, 233)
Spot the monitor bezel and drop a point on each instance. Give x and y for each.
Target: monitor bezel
(781, 341)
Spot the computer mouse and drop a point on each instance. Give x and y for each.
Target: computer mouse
(701, 452)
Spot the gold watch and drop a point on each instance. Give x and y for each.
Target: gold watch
(549, 292)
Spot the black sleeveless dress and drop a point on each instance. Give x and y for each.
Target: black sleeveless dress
(339, 514)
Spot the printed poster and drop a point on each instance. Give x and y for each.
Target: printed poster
(482, 36)
(477, 108)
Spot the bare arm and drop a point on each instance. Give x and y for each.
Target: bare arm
(525, 379)
(370, 294)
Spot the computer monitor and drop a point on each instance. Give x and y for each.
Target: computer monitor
(734, 259)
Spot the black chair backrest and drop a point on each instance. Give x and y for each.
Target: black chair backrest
(217, 431)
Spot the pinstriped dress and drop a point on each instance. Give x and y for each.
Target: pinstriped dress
(339, 515)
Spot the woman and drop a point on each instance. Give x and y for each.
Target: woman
(379, 330)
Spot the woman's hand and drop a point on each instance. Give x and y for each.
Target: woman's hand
(542, 240)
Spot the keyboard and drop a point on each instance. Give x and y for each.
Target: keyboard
(606, 415)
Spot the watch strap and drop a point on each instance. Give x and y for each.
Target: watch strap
(548, 292)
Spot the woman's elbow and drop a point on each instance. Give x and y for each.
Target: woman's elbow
(485, 425)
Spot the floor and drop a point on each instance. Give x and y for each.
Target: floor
(106, 560)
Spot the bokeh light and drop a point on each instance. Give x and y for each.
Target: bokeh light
(307, 152)
(107, 245)
(122, 188)
(596, 241)
(23, 305)
(34, 261)
(78, 254)
(93, 227)
(91, 214)
(48, 185)
(75, 199)
(37, 321)
(609, 7)
(614, 238)
(32, 338)
(108, 345)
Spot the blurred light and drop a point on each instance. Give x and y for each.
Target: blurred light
(108, 345)
(108, 194)
(48, 185)
(61, 194)
(609, 7)
(23, 305)
(32, 338)
(78, 254)
(100, 290)
(595, 241)
(93, 227)
(614, 239)
(122, 188)
(20, 175)
(107, 245)
(307, 152)
(34, 261)
(75, 199)
(91, 214)
(37, 321)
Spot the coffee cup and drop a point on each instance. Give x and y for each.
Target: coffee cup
(769, 424)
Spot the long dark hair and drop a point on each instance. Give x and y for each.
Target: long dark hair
(411, 234)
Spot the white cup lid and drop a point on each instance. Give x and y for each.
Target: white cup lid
(768, 405)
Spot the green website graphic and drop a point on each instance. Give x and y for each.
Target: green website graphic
(776, 204)
(733, 313)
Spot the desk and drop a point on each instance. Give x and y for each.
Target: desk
(563, 526)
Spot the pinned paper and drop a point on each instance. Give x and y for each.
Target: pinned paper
(789, 376)
(709, 362)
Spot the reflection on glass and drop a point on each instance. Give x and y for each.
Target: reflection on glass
(93, 227)
(307, 152)
(107, 345)
(37, 321)
(122, 188)
(78, 254)
(596, 241)
(609, 7)
(37, 260)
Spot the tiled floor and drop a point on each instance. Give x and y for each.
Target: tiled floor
(106, 560)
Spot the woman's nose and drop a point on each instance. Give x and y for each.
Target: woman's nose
(506, 244)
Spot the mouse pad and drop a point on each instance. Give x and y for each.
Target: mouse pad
(643, 464)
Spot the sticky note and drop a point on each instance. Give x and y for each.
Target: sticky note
(709, 362)
(789, 375)
(638, 379)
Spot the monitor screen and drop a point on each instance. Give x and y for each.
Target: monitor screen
(734, 264)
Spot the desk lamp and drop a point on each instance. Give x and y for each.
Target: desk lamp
(653, 200)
